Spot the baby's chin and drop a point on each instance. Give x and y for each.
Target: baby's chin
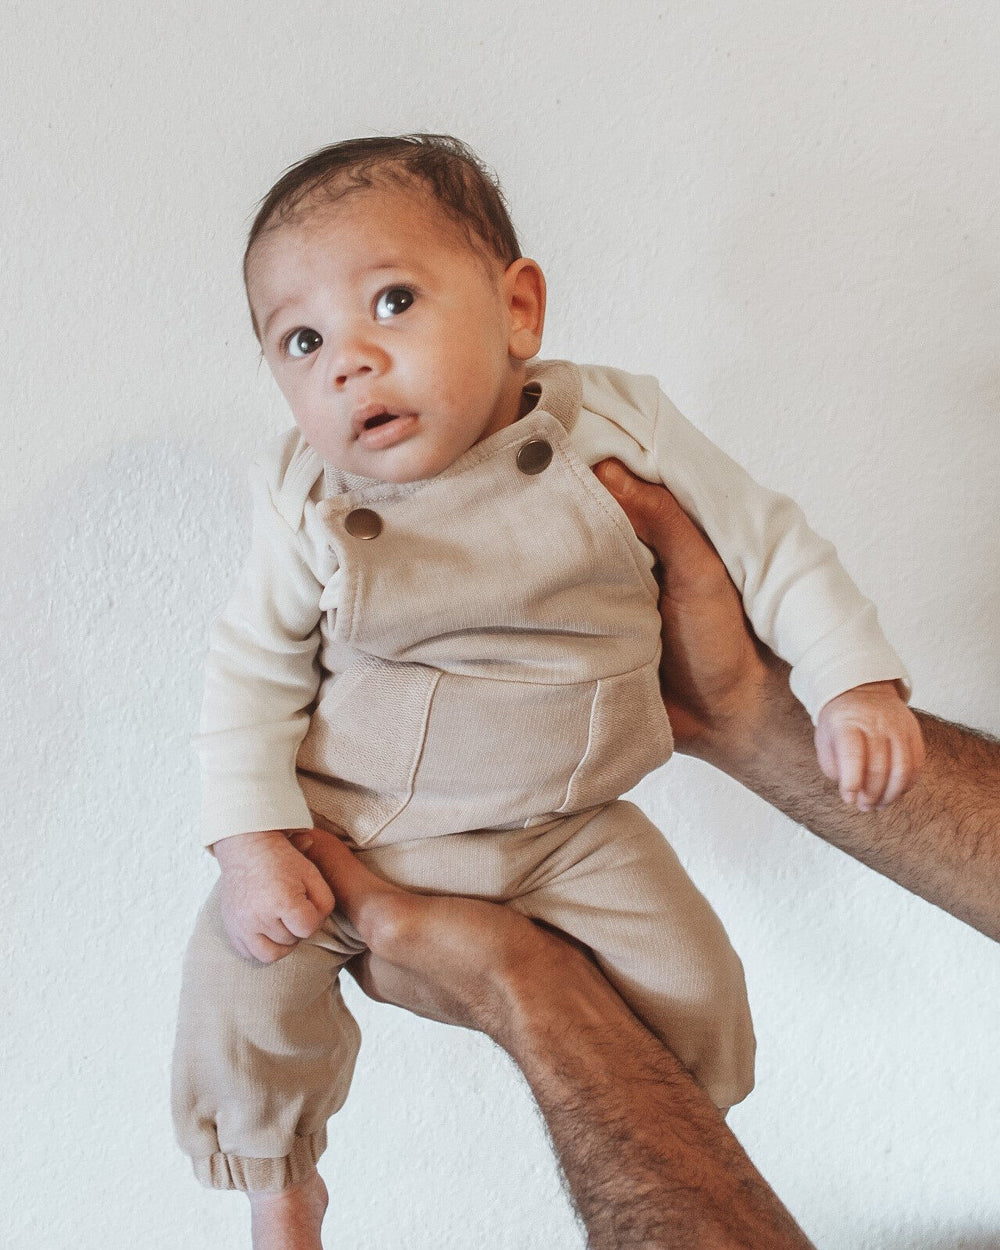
(397, 470)
(410, 452)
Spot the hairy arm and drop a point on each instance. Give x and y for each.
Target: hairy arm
(940, 840)
(648, 1159)
(730, 704)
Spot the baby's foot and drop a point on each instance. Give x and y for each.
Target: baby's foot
(289, 1219)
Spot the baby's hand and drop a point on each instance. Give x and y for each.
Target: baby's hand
(869, 742)
(271, 894)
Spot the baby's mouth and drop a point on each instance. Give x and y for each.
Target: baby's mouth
(367, 423)
(381, 419)
(370, 417)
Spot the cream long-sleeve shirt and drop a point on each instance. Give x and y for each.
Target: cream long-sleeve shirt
(266, 649)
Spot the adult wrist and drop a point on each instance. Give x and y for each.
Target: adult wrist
(742, 734)
(542, 990)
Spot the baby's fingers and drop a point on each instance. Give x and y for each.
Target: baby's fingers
(265, 951)
(276, 930)
(319, 892)
(826, 753)
(907, 760)
(851, 751)
(879, 766)
(302, 918)
(901, 774)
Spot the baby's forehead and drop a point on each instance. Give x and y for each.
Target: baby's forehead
(399, 208)
(398, 216)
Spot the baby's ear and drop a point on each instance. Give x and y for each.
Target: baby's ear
(524, 291)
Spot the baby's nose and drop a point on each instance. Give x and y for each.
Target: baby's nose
(356, 359)
(346, 372)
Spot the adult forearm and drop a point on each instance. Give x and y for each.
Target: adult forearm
(648, 1159)
(941, 840)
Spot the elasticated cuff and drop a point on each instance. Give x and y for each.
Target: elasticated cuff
(226, 1171)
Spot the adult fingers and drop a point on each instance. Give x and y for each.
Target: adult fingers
(385, 982)
(656, 516)
(354, 885)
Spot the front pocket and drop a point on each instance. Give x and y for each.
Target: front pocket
(630, 735)
(495, 753)
(502, 753)
(357, 762)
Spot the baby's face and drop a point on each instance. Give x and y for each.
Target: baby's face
(390, 338)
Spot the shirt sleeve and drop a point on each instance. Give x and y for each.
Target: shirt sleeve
(797, 595)
(262, 675)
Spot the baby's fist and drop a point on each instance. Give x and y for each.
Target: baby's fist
(869, 742)
(272, 896)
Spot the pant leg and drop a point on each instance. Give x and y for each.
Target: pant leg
(264, 1055)
(616, 884)
(265, 1052)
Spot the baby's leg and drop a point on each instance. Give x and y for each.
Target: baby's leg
(264, 1056)
(616, 885)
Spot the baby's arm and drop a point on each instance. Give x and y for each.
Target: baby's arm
(803, 605)
(262, 674)
(869, 742)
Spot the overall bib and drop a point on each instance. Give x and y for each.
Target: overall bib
(490, 687)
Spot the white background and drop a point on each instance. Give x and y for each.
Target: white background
(788, 211)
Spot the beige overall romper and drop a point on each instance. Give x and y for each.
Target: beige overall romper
(490, 688)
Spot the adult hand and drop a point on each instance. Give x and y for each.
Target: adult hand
(730, 703)
(647, 1158)
(714, 674)
(443, 958)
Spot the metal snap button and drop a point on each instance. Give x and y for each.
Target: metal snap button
(363, 523)
(535, 456)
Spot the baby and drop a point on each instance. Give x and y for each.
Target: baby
(444, 649)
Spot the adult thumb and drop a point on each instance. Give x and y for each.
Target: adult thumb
(655, 514)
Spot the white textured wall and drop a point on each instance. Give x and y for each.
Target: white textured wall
(789, 212)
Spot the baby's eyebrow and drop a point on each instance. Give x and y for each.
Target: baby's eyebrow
(275, 312)
(389, 262)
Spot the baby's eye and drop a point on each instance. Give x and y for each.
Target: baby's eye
(303, 342)
(392, 302)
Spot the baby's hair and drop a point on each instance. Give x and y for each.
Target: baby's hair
(459, 182)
